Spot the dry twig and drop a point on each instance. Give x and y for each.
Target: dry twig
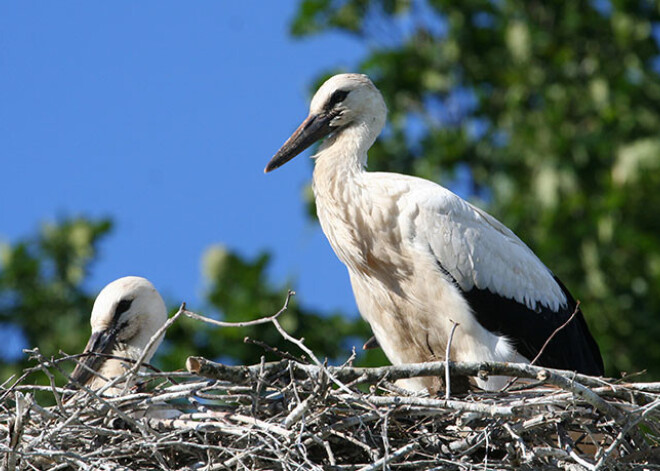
(293, 415)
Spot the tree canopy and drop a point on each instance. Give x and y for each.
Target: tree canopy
(46, 274)
(545, 113)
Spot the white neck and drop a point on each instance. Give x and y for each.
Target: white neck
(338, 173)
(345, 151)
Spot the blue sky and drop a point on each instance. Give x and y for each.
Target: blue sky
(162, 116)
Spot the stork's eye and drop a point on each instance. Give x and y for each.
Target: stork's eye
(337, 97)
(123, 306)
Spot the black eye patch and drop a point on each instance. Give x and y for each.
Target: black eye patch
(337, 97)
(123, 306)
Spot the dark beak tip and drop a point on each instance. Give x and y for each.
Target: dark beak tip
(276, 162)
(313, 128)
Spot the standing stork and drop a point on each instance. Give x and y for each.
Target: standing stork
(127, 313)
(420, 258)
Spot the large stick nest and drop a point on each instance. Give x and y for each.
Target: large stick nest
(296, 414)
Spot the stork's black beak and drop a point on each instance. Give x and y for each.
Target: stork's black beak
(101, 342)
(311, 130)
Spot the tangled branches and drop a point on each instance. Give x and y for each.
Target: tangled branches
(294, 415)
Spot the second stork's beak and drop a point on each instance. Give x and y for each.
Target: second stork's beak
(101, 342)
(311, 130)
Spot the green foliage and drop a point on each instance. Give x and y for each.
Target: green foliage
(239, 290)
(42, 295)
(41, 286)
(553, 107)
(347, 16)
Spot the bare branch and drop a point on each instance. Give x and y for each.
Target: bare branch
(130, 375)
(290, 414)
(447, 360)
(242, 374)
(553, 334)
(262, 320)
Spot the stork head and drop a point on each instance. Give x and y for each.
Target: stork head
(343, 101)
(126, 314)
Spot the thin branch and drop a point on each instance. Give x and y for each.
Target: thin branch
(632, 422)
(243, 374)
(261, 320)
(447, 360)
(16, 428)
(130, 375)
(545, 344)
(556, 331)
(273, 350)
(398, 454)
(291, 414)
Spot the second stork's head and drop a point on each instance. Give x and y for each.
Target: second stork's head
(344, 101)
(126, 315)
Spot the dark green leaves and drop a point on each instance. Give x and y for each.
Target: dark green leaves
(561, 141)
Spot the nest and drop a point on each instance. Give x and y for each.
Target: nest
(303, 414)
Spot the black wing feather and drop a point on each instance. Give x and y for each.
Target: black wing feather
(572, 348)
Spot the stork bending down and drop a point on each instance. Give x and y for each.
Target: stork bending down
(126, 314)
(420, 257)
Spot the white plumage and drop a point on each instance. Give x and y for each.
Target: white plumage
(420, 257)
(127, 313)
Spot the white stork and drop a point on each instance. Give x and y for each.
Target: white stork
(420, 257)
(127, 313)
